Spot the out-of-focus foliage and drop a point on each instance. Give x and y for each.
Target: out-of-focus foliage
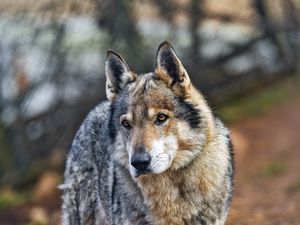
(260, 101)
(52, 55)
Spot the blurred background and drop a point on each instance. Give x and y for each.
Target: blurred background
(242, 54)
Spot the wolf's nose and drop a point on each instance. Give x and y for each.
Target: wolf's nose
(141, 160)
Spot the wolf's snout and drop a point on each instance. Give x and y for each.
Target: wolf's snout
(141, 160)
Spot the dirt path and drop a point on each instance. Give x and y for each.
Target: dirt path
(267, 181)
(267, 153)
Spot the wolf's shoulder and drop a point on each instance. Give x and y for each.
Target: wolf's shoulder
(89, 144)
(95, 121)
(90, 132)
(86, 170)
(100, 113)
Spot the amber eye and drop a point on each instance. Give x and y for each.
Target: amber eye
(161, 118)
(126, 124)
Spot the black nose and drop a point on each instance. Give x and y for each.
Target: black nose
(141, 160)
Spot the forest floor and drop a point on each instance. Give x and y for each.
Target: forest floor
(267, 157)
(267, 177)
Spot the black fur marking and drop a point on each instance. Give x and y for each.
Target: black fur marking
(117, 70)
(195, 220)
(230, 145)
(168, 61)
(182, 193)
(206, 215)
(230, 171)
(188, 112)
(113, 188)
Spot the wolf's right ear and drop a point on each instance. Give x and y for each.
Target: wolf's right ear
(117, 73)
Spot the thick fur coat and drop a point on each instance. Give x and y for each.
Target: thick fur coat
(152, 154)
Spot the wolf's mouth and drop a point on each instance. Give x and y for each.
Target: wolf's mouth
(141, 172)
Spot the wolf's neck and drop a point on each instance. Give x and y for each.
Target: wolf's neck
(175, 195)
(162, 196)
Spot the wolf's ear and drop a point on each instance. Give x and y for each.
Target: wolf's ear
(168, 66)
(118, 74)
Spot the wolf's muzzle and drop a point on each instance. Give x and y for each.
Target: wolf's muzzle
(141, 160)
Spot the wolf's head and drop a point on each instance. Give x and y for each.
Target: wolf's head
(159, 121)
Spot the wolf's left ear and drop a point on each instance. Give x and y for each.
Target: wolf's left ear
(168, 66)
(118, 74)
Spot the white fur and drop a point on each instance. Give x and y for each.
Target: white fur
(162, 153)
(132, 170)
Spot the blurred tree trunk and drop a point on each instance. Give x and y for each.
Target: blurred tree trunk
(291, 32)
(6, 160)
(167, 9)
(117, 18)
(196, 16)
(269, 29)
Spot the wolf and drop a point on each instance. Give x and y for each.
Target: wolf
(152, 154)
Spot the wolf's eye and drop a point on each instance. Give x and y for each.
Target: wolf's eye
(126, 124)
(161, 118)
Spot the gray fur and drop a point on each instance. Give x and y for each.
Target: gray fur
(97, 190)
(99, 187)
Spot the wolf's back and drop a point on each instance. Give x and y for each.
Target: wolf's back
(88, 167)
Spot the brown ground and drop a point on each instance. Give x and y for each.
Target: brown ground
(267, 181)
